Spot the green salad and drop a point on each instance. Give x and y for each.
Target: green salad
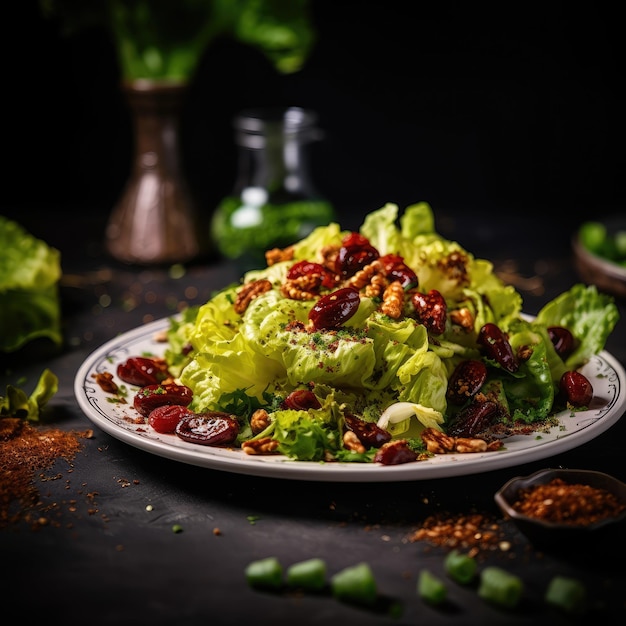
(376, 325)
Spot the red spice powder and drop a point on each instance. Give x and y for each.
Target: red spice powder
(26, 449)
(568, 503)
(473, 532)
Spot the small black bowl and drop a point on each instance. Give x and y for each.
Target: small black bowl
(608, 532)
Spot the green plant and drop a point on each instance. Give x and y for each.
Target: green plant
(164, 40)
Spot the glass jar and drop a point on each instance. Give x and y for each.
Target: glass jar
(274, 202)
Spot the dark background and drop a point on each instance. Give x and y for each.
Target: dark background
(488, 110)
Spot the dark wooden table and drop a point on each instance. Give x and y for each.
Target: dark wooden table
(111, 556)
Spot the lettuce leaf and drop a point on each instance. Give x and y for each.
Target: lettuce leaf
(263, 352)
(588, 314)
(29, 297)
(530, 392)
(306, 435)
(18, 404)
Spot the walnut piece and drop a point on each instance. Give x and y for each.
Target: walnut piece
(276, 255)
(364, 275)
(328, 257)
(465, 444)
(303, 287)
(259, 421)
(265, 445)
(438, 442)
(249, 292)
(462, 317)
(393, 300)
(352, 442)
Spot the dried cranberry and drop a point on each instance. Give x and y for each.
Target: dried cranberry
(431, 310)
(335, 309)
(141, 371)
(212, 428)
(497, 347)
(164, 419)
(371, 435)
(397, 269)
(150, 397)
(309, 268)
(576, 388)
(355, 253)
(301, 400)
(563, 340)
(475, 419)
(355, 239)
(466, 380)
(395, 453)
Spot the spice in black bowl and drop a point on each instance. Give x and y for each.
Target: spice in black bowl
(566, 508)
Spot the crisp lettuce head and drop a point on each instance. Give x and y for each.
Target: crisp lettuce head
(264, 351)
(29, 300)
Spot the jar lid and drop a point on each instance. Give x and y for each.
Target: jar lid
(260, 120)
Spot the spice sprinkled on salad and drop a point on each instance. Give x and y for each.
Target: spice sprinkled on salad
(388, 345)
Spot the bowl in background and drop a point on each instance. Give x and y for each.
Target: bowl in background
(592, 265)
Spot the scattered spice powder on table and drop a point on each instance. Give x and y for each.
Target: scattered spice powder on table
(568, 503)
(25, 450)
(473, 532)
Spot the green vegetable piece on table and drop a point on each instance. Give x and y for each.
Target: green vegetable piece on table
(567, 594)
(309, 574)
(460, 567)
(500, 587)
(265, 573)
(431, 588)
(355, 584)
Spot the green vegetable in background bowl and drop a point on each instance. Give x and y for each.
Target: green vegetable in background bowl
(30, 271)
(599, 248)
(607, 243)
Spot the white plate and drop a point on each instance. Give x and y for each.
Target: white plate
(605, 373)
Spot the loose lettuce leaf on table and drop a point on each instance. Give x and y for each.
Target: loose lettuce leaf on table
(18, 404)
(29, 299)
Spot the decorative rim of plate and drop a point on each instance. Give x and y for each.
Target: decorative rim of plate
(119, 421)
